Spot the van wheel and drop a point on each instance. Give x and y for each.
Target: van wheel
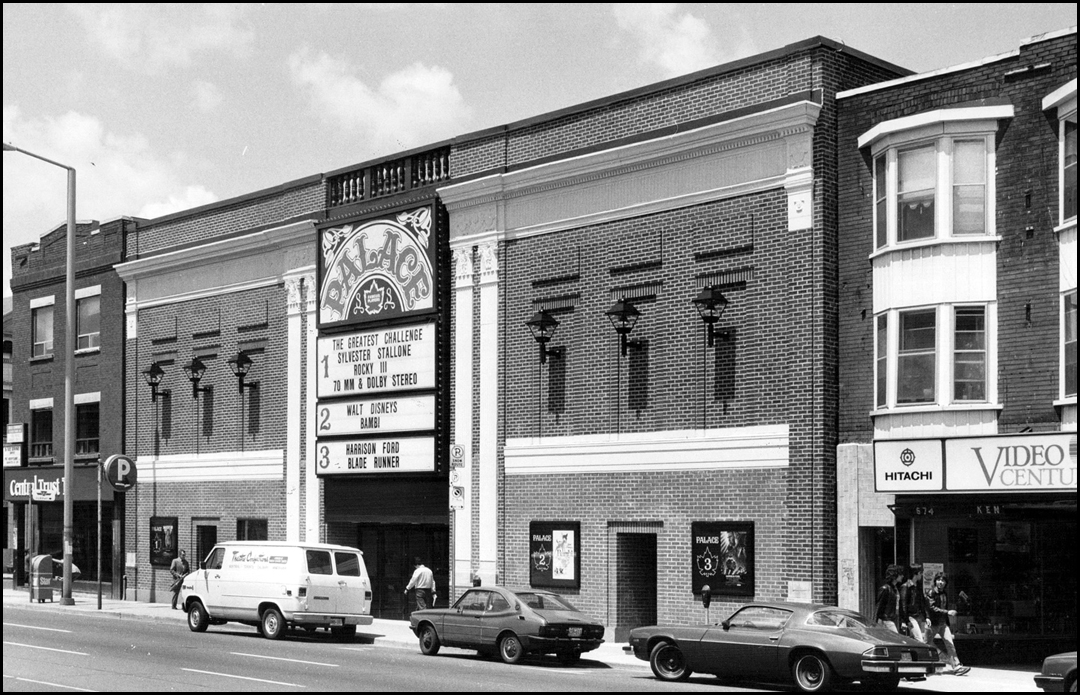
(272, 624)
(429, 641)
(197, 619)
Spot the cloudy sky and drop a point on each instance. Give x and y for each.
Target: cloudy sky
(166, 107)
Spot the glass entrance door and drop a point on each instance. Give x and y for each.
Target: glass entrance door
(389, 552)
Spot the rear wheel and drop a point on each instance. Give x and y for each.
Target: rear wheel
(812, 673)
(510, 649)
(197, 619)
(429, 641)
(272, 624)
(668, 663)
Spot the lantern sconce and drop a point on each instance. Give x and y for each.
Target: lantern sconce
(624, 316)
(710, 305)
(195, 370)
(153, 375)
(543, 326)
(240, 366)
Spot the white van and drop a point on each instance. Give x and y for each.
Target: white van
(276, 586)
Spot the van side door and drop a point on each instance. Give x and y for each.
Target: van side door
(208, 582)
(322, 584)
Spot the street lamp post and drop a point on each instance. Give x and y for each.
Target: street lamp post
(69, 374)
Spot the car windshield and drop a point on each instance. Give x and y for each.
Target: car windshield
(838, 618)
(544, 602)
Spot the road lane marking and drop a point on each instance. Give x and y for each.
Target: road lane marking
(37, 627)
(48, 649)
(243, 678)
(51, 685)
(280, 658)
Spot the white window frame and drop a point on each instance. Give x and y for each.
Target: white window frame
(944, 359)
(92, 339)
(48, 347)
(1063, 100)
(1066, 396)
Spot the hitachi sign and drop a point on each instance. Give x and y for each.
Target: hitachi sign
(908, 476)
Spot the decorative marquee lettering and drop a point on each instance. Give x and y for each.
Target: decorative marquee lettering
(377, 269)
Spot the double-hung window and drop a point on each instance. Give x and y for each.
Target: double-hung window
(88, 320)
(917, 357)
(916, 189)
(1068, 353)
(1068, 169)
(969, 354)
(87, 428)
(41, 329)
(41, 434)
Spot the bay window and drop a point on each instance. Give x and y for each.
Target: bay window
(916, 184)
(939, 356)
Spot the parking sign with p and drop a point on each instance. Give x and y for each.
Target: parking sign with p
(120, 472)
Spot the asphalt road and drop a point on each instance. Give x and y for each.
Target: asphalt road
(45, 651)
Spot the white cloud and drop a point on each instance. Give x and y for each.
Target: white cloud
(150, 37)
(411, 107)
(677, 43)
(207, 96)
(115, 175)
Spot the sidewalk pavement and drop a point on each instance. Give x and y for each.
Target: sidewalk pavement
(396, 633)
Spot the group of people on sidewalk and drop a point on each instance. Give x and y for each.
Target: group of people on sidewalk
(905, 607)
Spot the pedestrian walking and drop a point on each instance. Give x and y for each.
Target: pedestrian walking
(888, 599)
(940, 612)
(423, 582)
(913, 604)
(179, 569)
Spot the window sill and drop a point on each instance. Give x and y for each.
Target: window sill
(936, 241)
(41, 358)
(41, 460)
(87, 458)
(1065, 226)
(1068, 400)
(956, 407)
(88, 351)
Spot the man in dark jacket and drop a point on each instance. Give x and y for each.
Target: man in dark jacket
(888, 599)
(913, 603)
(940, 612)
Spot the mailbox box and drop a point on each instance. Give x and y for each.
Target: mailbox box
(41, 576)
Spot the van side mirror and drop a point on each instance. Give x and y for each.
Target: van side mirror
(202, 564)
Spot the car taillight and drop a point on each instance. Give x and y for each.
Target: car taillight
(550, 631)
(367, 595)
(877, 653)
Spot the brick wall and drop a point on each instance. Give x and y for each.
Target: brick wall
(1027, 257)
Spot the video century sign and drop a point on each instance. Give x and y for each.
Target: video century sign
(1011, 463)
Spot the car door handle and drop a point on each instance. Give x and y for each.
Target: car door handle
(342, 582)
(774, 638)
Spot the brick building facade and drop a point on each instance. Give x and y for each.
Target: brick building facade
(38, 325)
(957, 325)
(722, 179)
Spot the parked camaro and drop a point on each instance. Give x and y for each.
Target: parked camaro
(510, 623)
(814, 645)
(1058, 673)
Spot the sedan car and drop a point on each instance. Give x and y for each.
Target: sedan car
(510, 623)
(816, 646)
(1058, 673)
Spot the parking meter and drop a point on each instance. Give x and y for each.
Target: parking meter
(706, 599)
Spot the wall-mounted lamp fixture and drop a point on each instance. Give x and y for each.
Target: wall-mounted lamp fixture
(624, 316)
(153, 376)
(710, 305)
(543, 326)
(240, 365)
(195, 370)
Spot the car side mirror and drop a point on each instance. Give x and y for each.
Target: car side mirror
(726, 624)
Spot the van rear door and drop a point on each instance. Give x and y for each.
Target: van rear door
(352, 583)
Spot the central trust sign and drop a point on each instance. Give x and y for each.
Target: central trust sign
(1017, 463)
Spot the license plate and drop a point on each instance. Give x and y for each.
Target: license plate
(336, 622)
(574, 632)
(905, 656)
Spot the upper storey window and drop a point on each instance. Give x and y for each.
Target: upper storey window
(934, 175)
(1063, 102)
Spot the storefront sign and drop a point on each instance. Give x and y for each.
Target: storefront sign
(902, 466)
(1021, 463)
(377, 416)
(374, 456)
(163, 540)
(388, 359)
(377, 269)
(13, 455)
(1010, 463)
(46, 484)
(46, 488)
(722, 557)
(555, 554)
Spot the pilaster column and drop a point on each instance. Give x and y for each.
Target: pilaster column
(463, 411)
(312, 511)
(487, 479)
(294, 380)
